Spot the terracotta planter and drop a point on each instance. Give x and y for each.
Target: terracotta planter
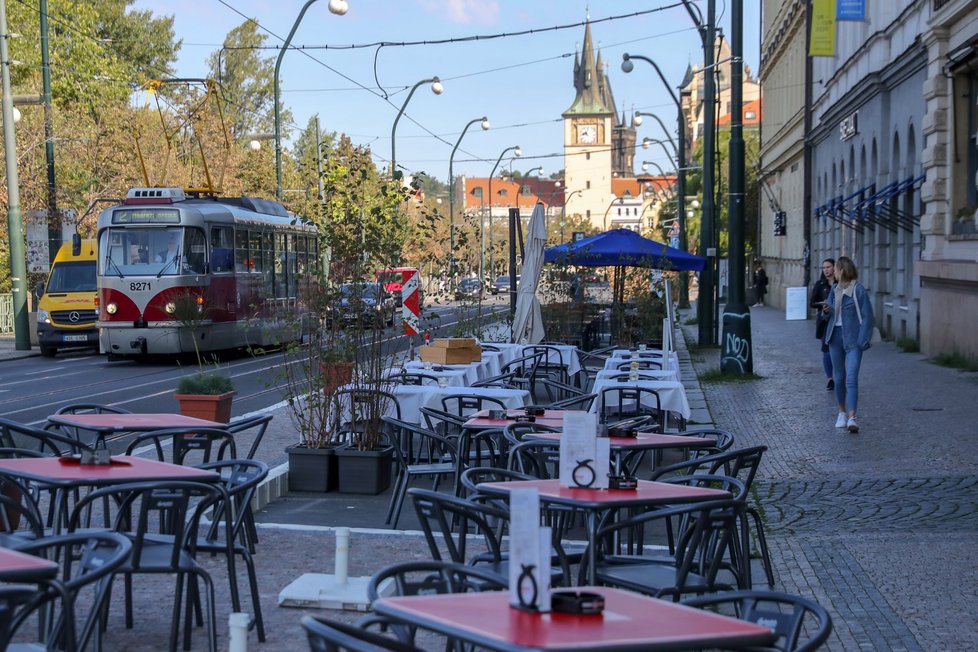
(335, 375)
(211, 407)
(312, 469)
(364, 472)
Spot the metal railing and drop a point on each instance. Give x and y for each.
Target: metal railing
(6, 313)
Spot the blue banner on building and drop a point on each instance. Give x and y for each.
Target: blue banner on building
(850, 10)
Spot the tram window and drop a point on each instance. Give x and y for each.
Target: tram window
(222, 249)
(242, 256)
(256, 251)
(195, 249)
(292, 264)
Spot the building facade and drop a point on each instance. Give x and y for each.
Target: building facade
(948, 264)
(781, 223)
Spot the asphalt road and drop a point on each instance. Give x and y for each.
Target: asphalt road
(33, 388)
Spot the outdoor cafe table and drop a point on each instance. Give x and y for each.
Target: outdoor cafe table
(411, 398)
(65, 473)
(613, 363)
(23, 568)
(472, 372)
(454, 377)
(568, 354)
(106, 424)
(643, 441)
(630, 621)
(657, 374)
(672, 394)
(481, 421)
(593, 502)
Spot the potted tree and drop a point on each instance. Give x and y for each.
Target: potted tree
(207, 393)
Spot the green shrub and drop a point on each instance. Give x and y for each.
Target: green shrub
(908, 344)
(205, 382)
(957, 361)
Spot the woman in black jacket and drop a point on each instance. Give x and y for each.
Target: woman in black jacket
(820, 295)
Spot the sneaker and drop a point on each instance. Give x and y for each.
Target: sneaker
(830, 385)
(851, 425)
(840, 421)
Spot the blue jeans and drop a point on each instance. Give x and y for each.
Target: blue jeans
(845, 368)
(827, 363)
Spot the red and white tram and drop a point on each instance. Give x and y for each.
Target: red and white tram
(241, 260)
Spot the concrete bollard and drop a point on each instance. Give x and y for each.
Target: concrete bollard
(238, 632)
(342, 555)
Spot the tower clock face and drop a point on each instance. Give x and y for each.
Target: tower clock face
(587, 133)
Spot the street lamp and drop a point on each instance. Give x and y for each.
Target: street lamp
(637, 122)
(437, 89)
(646, 164)
(451, 194)
(627, 66)
(604, 220)
(563, 211)
(517, 152)
(648, 142)
(519, 190)
(338, 7)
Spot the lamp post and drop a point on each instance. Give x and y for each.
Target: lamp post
(628, 66)
(338, 7)
(604, 220)
(648, 142)
(451, 195)
(437, 89)
(517, 152)
(736, 357)
(563, 211)
(637, 121)
(519, 191)
(647, 164)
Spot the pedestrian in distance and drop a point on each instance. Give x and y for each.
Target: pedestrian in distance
(820, 296)
(760, 284)
(848, 334)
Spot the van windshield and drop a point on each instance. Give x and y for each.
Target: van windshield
(73, 276)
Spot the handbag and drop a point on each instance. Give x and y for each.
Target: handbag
(876, 337)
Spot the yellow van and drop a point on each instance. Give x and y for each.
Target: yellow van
(66, 313)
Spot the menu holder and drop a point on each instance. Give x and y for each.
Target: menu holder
(535, 411)
(622, 482)
(584, 457)
(497, 414)
(529, 553)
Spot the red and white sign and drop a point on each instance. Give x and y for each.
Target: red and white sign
(410, 302)
(674, 230)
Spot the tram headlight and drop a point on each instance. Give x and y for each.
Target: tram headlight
(111, 308)
(170, 307)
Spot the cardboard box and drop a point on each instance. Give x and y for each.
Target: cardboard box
(454, 342)
(454, 355)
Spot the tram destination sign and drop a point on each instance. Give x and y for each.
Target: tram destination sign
(146, 216)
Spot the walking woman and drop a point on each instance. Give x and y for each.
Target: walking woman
(820, 296)
(848, 334)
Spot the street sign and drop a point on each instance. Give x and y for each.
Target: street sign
(674, 241)
(674, 230)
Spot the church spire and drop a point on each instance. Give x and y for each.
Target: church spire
(586, 80)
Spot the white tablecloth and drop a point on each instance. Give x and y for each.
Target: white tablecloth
(456, 377)
(612, 363)
(564, 354)
(471, 372)
(413, 397)
(657, 374)
(672, 394)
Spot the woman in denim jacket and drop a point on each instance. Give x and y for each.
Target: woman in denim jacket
(848, 334)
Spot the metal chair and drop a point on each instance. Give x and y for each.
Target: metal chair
(82, 408)
(412, 378)
(418, 452)
(363, 410)
(258, 423)
(16, 435)
(187, 441)
(330, 636)
(616, 403)
(89, 561)
(464, 405)
(802, 625)
(642, 364)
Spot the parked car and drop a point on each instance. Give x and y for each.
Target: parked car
(501, 284)
(365, 303)
(469, 289)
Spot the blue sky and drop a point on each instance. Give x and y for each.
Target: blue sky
(521, 83)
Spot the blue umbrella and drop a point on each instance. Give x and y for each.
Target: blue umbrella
(622, 247)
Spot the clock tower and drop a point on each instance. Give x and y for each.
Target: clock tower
(595, 140)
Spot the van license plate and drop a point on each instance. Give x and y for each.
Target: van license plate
(76, 338)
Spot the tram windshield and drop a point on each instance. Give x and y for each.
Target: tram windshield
(135, 251)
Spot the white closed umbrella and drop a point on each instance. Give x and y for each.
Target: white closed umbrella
(528, 321)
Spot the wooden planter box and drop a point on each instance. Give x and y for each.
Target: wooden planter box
(312, 469)
(364, 472)
(211, 407)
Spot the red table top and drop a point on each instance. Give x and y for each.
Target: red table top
(481, 420)
(630, 621)
(647, 493)
(132, 422)
(67, 471)
(644, 440)
(19, 567)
